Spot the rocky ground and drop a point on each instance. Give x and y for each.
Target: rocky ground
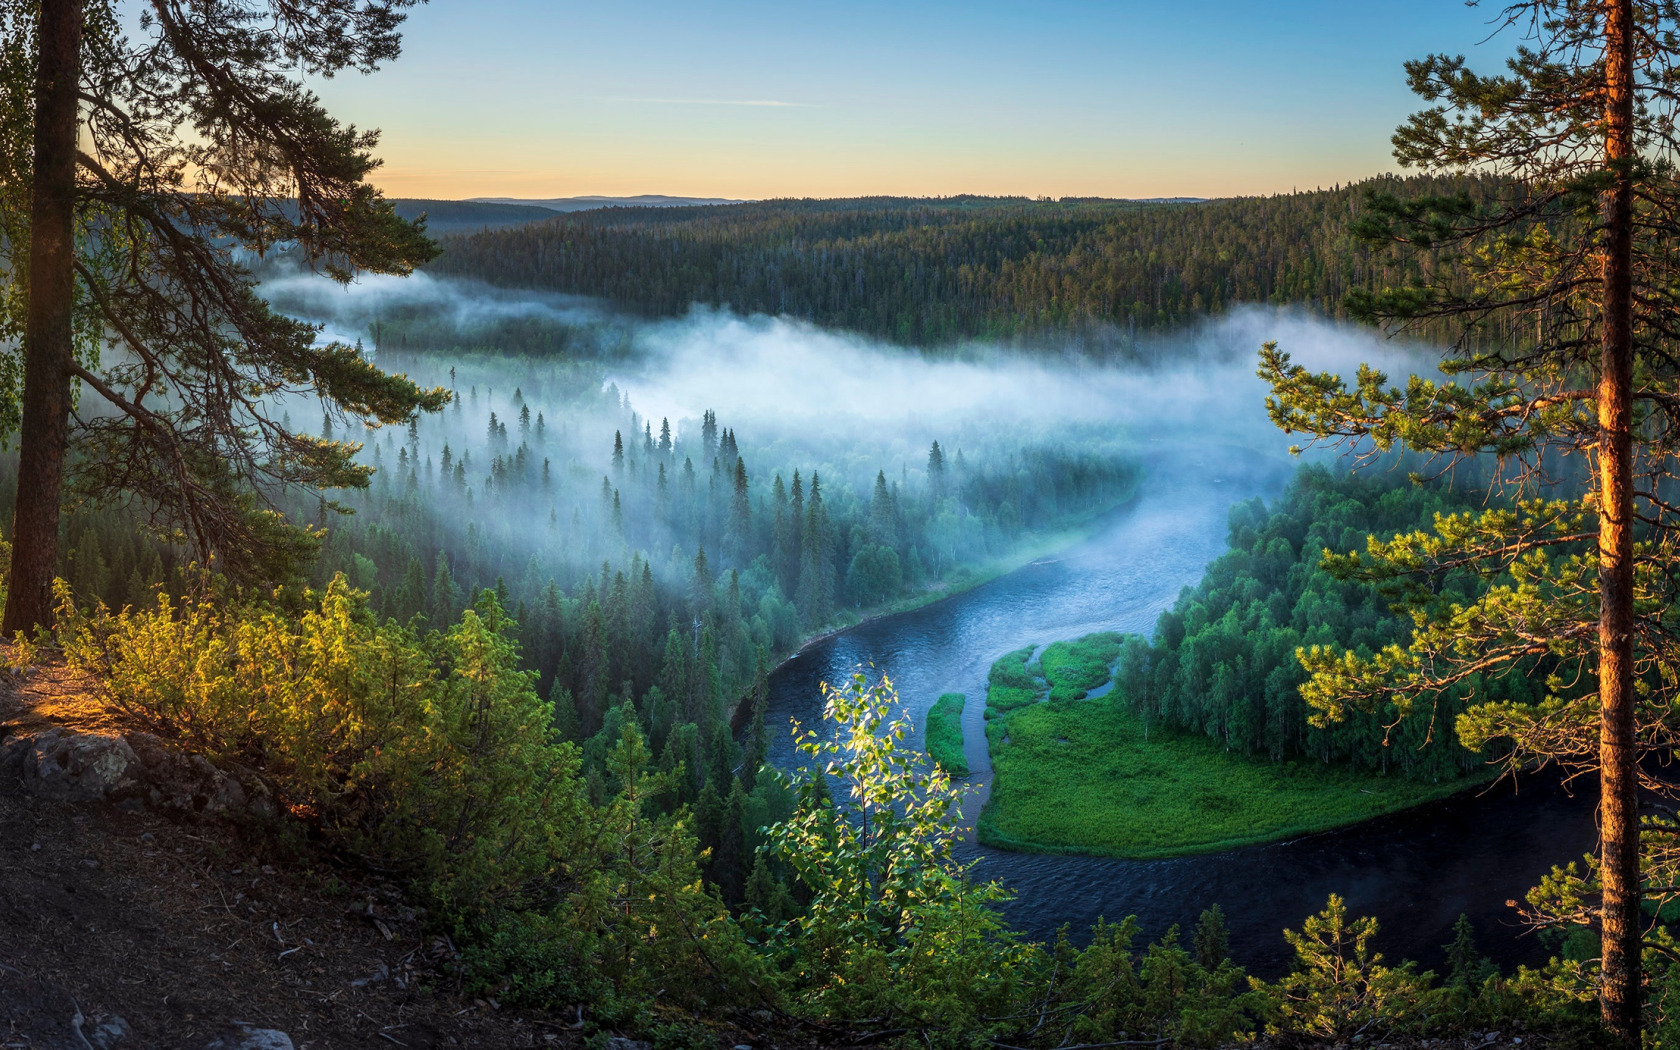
(134, 913)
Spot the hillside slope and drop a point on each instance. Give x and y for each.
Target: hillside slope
(159, 934)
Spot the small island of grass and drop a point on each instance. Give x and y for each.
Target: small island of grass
(944, 734)
(1075, 775)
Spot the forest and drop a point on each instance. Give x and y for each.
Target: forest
(938, 271)
(651, 573)
(1222, 661)
(1204, 741)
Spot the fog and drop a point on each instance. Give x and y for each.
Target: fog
(788, 377)
(800, 393)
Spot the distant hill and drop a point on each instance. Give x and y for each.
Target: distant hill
(468, 216)
(933, 270)
(569, 204)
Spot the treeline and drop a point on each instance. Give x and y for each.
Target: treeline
(925, 271)
(1222, 661)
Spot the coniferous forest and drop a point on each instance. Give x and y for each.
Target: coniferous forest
(929, 272)
(429, 598)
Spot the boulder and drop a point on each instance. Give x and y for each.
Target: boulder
(136, 771)
(247, 1037)
(77, 767)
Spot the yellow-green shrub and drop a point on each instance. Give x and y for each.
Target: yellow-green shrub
(434, 755)
(431, 755)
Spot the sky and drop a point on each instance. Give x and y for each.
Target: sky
(755, 99)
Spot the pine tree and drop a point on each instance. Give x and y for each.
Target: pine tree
(1560, 288)
(882, 527)
(729, 863)
(1466, 967)
(566, 723)
(936, 474)
(594, 667)
(768, 896)
(183, 422)
(702, 593)
(757, 749)
(816, 563)
(796, 528)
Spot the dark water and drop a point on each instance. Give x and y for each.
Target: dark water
(1415, 871)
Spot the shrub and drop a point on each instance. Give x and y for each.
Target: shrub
(432, 756)
(1010, 685)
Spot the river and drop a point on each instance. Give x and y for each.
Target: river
(1416, 871)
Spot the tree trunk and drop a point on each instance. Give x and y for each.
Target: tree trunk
(1619, 998)
(47, 348)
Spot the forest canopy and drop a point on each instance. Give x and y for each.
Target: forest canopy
(930, 271)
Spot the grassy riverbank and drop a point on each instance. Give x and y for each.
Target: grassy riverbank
(1086, 776)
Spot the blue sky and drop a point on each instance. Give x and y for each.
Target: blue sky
(1124, 98)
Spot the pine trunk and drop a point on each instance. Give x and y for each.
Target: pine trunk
(44, 433)
(1618, 761)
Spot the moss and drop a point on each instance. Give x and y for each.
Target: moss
(944, 734)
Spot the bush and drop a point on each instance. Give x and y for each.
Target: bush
(432, 756)
(1010, 685)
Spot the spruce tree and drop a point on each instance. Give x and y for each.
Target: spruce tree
(1212, 942)
(882, 528)
(202, 144)
(1559, 287)
(784, 557)
(740, 515)
(566, 723)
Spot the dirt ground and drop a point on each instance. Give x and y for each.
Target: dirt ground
(185, 932)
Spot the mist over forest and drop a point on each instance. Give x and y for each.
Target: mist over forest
(739, 483)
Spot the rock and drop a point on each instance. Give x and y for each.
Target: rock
(619, 1042)
(134, 772)
(11, 759)
(109, 1033)
(154, 754)
(245, 1037)
(229, 797)
(78, 767)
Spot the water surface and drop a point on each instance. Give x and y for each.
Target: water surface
(1415, 871)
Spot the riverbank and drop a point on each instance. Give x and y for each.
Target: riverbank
(1033, 547)
(1088, 777)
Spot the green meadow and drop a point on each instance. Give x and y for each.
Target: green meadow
(1083, 776)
